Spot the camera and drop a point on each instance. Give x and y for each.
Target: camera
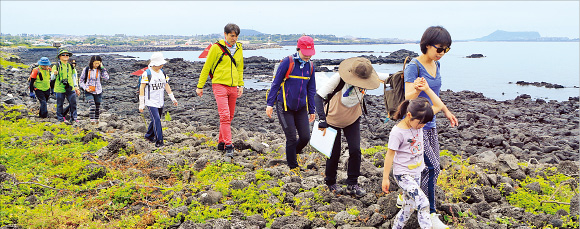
(64, 81)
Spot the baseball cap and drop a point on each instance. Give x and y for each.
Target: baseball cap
(306, 45)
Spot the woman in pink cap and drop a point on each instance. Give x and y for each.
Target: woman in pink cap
(292, 92)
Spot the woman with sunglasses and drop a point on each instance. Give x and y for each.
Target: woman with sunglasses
(435, 43)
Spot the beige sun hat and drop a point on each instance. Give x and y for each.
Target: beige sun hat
(359, 72)
(157, 59)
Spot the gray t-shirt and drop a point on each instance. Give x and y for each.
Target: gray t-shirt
(408, 147)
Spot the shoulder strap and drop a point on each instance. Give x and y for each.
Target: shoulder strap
(226, 51)
(329, 96)
(86, 74)
(38, 73)
(290, 67)
(148, 85)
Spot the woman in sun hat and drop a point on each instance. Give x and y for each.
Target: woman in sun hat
(40, 85)
(153, 82)
(293, 96)
(355, 76)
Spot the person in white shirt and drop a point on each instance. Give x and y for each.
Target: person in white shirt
(153, 82)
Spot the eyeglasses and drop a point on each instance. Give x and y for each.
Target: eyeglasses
(441, 49)
(64, 54)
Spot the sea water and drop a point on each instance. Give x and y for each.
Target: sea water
(494, 75)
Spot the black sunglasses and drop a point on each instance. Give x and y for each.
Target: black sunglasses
(64, 54)
(441, 49)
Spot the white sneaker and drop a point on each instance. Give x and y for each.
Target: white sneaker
(400, 201)
(437, 224)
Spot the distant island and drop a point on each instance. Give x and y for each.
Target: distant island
(500, 35)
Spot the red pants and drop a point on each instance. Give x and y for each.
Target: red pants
(225, 97)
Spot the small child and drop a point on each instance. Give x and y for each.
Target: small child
(406, 154)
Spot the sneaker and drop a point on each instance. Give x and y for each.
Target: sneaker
(400, 201)
(221, 146)
(229, 151)
(355, 190)
(335, 189)
(64, 119)
(437, 224)
(93, 122)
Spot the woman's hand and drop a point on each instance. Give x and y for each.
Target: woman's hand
(451, 117)
(199, 92)
(311, 117)
(269, 111)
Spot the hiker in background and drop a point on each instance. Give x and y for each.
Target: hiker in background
(73, 63)
(292, 91)
(40, 85)
(156, 81)
(343, 111)
(435, 42)
(405, 155)
(225, 67)
(64, 75)
(90, 82)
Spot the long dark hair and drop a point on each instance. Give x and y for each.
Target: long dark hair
(93, 59)
(420, 109)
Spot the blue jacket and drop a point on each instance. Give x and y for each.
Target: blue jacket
(298, 90)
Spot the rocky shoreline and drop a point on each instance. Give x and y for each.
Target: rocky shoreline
(494, 136)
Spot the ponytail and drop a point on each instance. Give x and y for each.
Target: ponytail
(401, 110)
(420, 109)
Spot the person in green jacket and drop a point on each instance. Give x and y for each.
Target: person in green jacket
(40, 85)
(225, 66)
(64, 75)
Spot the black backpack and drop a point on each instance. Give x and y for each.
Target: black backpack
(394, 89)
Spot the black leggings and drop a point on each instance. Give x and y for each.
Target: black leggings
(352, 134)
(291, 122)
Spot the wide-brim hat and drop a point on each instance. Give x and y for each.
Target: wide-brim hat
(157, 59)
(359, 72)
(62, 51)
(44, 61)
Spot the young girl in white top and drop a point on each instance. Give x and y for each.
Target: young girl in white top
(153, 96)
(405, 154)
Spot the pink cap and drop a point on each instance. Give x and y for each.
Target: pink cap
(306, 45)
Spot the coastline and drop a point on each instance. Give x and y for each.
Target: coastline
(494, 137)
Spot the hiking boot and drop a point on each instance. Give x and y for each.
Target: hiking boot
(355, 190)
(221, 146)
(436, 222)
(336, 189)
(159, 144)
(296, 172)
(229, 151)
(400, 201)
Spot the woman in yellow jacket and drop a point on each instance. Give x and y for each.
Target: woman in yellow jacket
(225, 67)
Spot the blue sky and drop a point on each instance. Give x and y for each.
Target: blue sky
(372, 19)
